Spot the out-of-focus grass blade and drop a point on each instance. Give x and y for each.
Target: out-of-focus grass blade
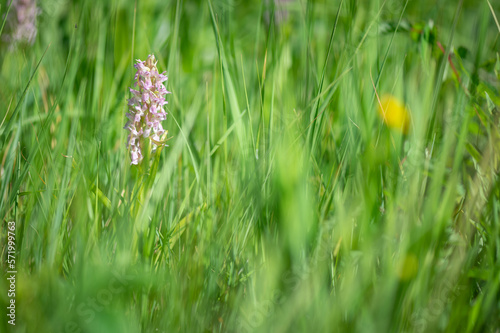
(226, 134)
(315, 127)
(494, 16)
(174, 153)
(444, 62)
(229, 86)
(6, 16)
(181, 226)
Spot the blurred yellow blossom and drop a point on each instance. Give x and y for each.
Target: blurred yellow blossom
(407, 267)
(394, 113)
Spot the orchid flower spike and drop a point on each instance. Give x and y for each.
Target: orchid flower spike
(22, 22)
(146, 110)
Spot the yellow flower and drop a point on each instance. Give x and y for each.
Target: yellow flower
(394, 113)
(407, 267)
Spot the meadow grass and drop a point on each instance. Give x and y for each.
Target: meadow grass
(283, 202)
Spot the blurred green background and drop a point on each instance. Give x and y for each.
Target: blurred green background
(283, 203)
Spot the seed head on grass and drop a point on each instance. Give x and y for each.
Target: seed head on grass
(394, 113)
(146, 109)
